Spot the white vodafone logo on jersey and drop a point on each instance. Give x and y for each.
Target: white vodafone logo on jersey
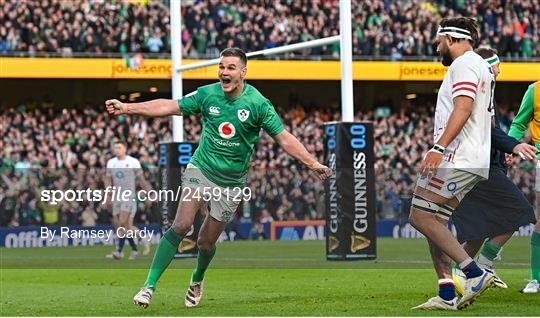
(226, 130)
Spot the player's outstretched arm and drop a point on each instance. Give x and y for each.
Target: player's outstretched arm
(501, 141)
(507, 144)
(295, 149)
(153, 108)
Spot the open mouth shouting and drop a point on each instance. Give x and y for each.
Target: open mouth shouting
(226, 82)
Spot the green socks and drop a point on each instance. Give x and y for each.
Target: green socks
(488, 253)
(162, 258)
(203, 260)
(165, 253)
(535, 256)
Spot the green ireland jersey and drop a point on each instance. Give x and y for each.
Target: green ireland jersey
(528, 116)
(230, 129)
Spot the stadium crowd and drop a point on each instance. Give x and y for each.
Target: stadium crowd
(68, 149)
(44, 148)
(381, 28)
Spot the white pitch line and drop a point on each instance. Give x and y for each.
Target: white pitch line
(428, 262)
(377, 261)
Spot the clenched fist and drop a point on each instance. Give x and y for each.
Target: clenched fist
(321, 171)
(115, 107)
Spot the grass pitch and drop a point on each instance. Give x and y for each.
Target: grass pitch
(250, 278)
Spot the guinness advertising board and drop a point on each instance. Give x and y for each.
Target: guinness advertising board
(173, 159)
(350, 192)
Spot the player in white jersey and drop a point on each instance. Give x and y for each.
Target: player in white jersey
(123, 171)
(467, 77)
(460, 156)
(491, 212)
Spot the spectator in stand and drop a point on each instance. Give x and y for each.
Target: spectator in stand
(155, 43)
(257, 232)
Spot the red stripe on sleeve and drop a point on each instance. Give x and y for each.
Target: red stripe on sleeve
(463, 89)
(464, 83)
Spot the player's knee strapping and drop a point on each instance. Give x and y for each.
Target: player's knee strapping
(425, 205)
(445, 212)
(441, 210)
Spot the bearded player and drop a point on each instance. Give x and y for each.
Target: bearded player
(489, 214)
(460, 155)
(233, 113)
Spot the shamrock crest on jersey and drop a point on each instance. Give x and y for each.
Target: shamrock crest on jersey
(243, 114)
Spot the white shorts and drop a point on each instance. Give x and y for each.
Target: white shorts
(221, 202)
(449, 182)
(122, 207)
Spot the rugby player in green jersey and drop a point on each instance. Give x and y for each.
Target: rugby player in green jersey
(233, 113)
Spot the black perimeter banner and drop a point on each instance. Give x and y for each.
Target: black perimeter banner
(173, 159)
(350, 192)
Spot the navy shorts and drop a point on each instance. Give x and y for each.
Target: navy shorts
(494, 206)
